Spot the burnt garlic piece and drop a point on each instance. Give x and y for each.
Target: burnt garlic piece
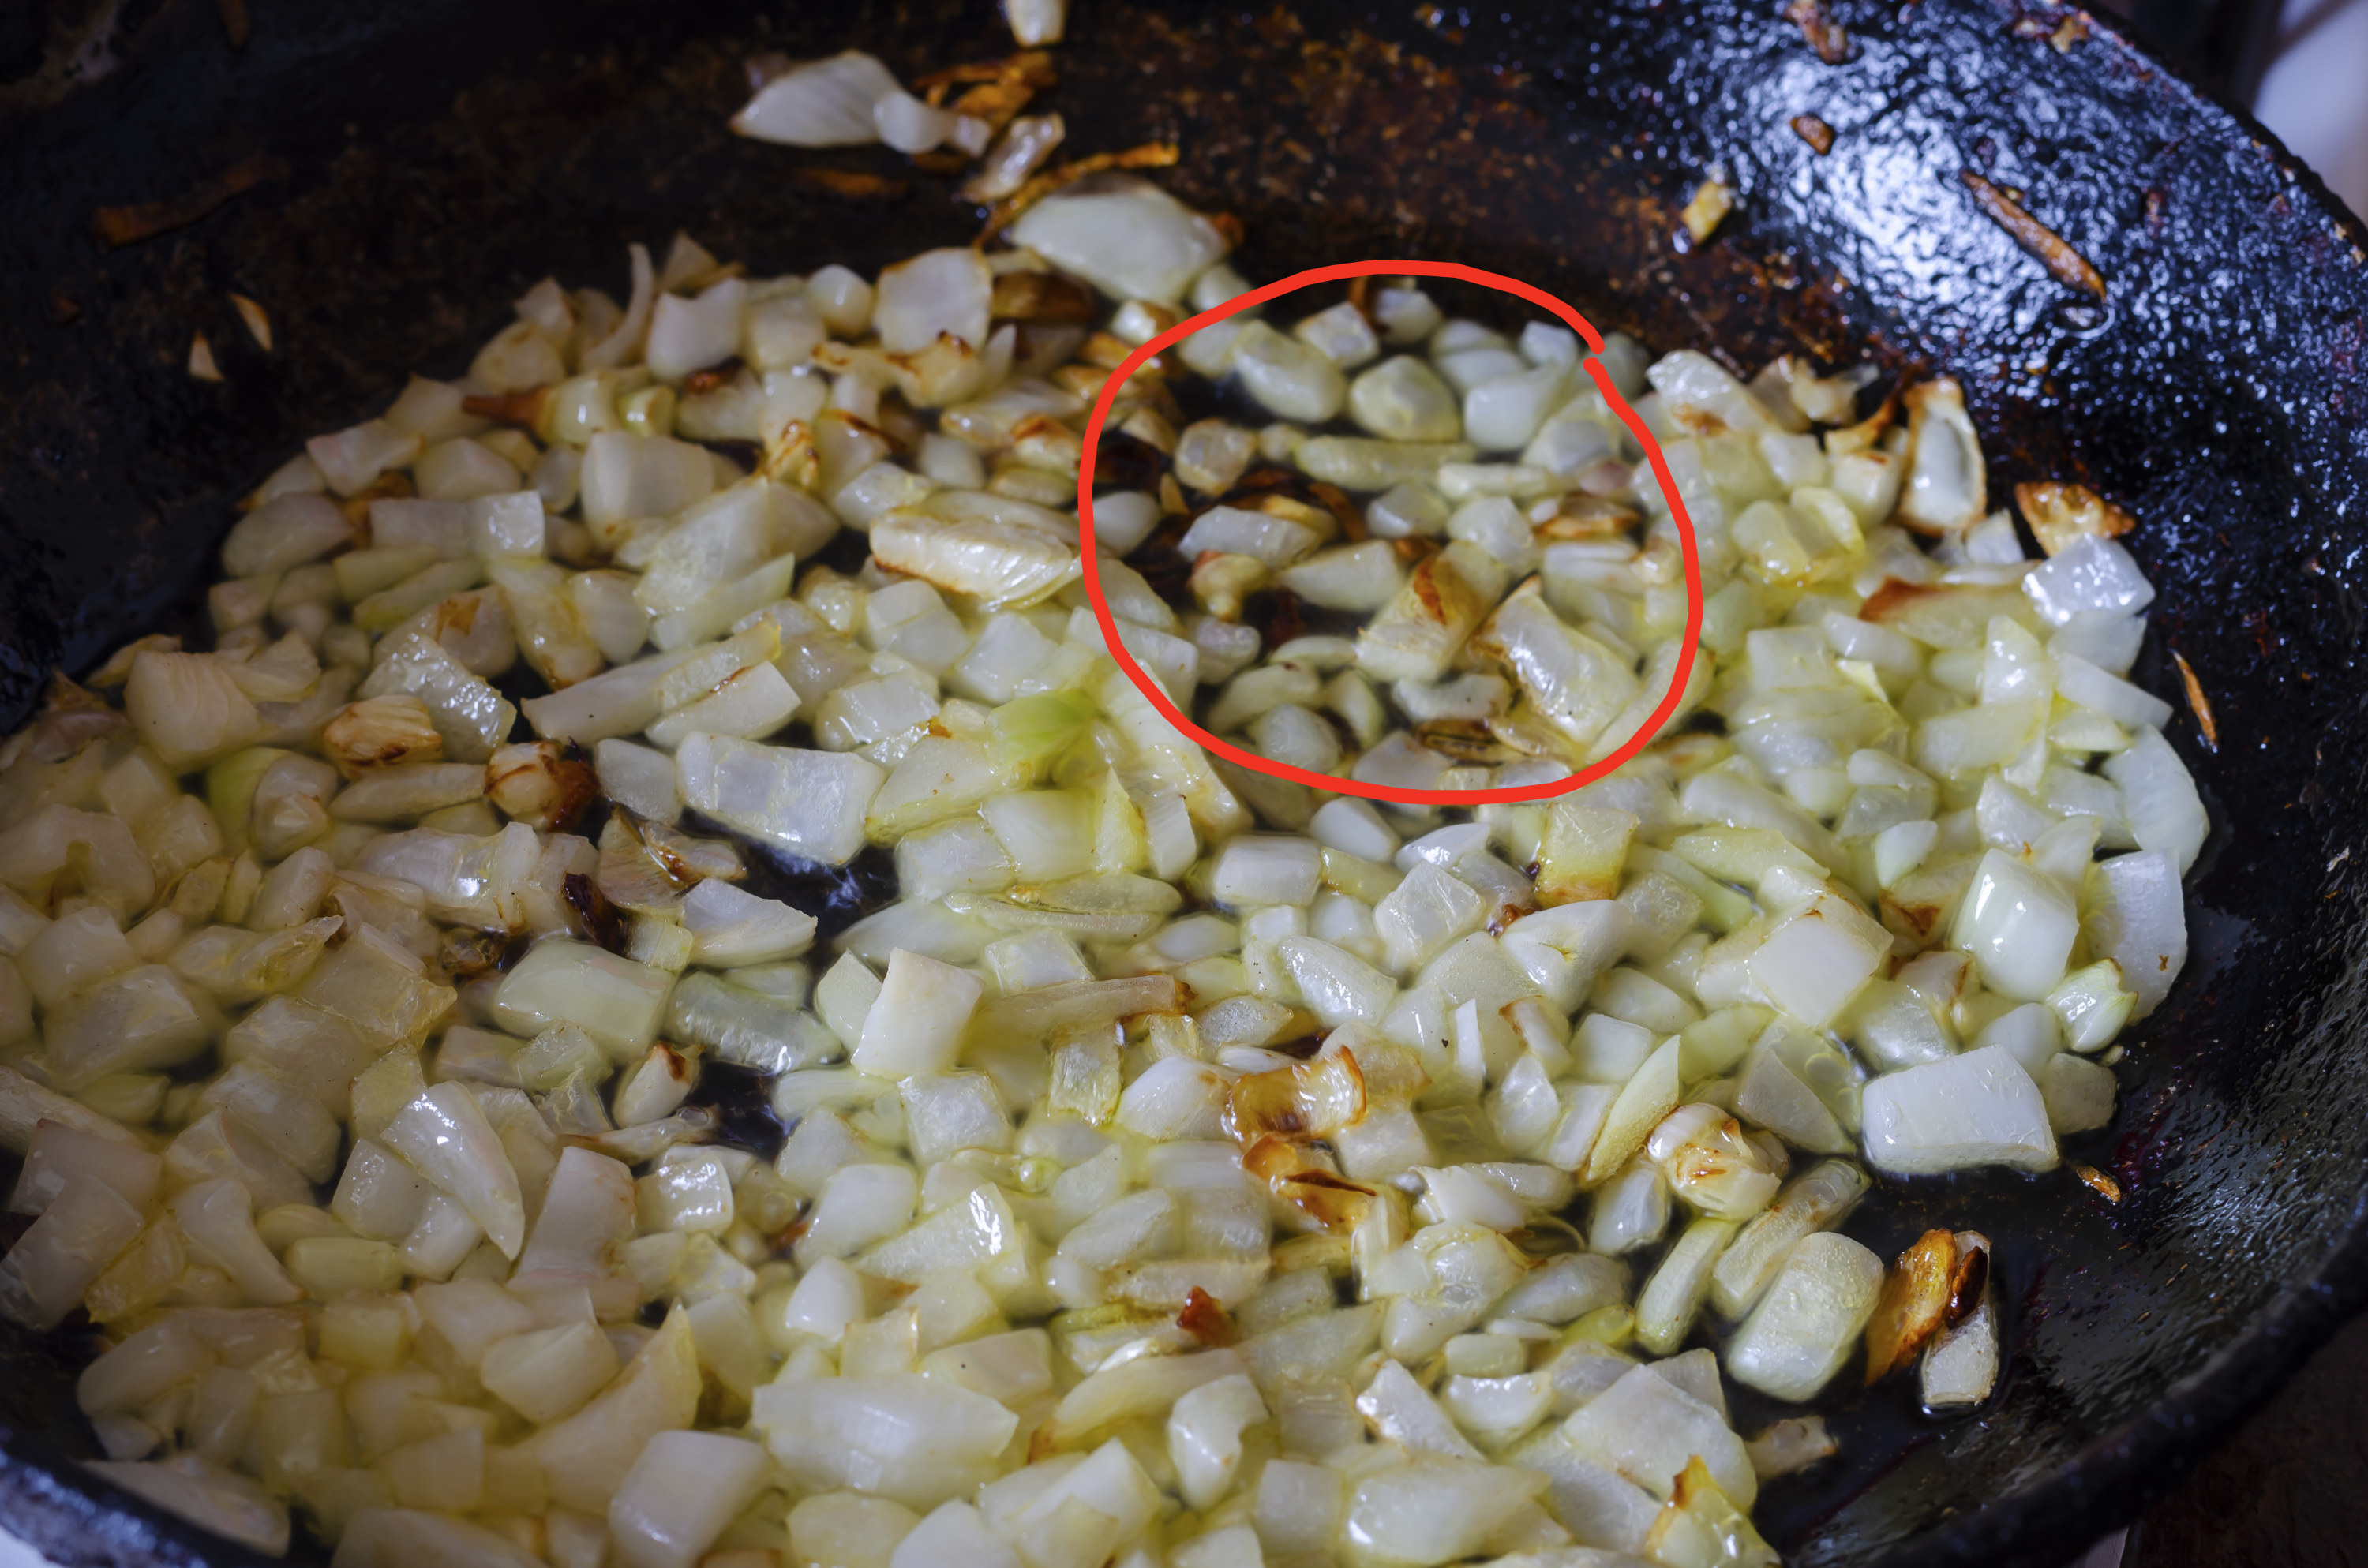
(1178, 1163)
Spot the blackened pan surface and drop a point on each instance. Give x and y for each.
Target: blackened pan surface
(410, 169)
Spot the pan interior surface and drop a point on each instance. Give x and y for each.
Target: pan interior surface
(410, 170)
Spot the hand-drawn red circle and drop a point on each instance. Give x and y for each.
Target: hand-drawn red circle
(1334, 783)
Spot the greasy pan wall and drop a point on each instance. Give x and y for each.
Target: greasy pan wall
(412, 168)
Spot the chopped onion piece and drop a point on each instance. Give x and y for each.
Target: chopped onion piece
(682, 1492)
(1134, 241)
(229, 1506)
(2091, 575)
(914, 1439)
(1976, 1109)
(823, 103)
(811, 803)
(1804, 1328)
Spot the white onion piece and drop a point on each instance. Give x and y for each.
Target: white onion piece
(1703, 395)
(548, 1374)
(823, 103)
(2160, 799)
(1961, 1365)
(1229, 530)
(1434, 1510)
(286, 531)
(1124, 519)
(1000, 564)
(1812, 1200)
(1646, 1430)
(1463, 1194)
(1945, 490)
(953, 1532)
(351, 460)
(732, 928)
(1672, 1298)
(218, 1219)
(916, 1023)
(2079, 1094)
(1337, 986)
(1257, 869)
(445, 1137)
(2093, 574)
(587, 1457)
(682, 1492)
(1502, 415)
(1564, 949)
(809, 802)
(1177, 1097)
(2018, 924)
(1816, 961)
(1402, 399)
(59, 1153)
(1807, 1323)
(949, 1112)
(1354, 828)
(910, 126)
(612, 999)
(214, 1499)
(1980, 1109)
(691, 334)
(917, 1440)
(2100, 691)
(1204, 1435)
(937, 292)
(1575, 682)
(587, 1216)
(627, 477)
(470, 717)
(79, 1233)
(1289, 378)
(2110, 642)
(1133, 243)
(188, 707)
(1027, 142)
(863, 1203)
(1036, 22)
(2138, 915)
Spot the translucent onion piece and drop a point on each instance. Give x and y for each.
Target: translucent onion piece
(823, 103)
(1131, 242)
(1975, 1110)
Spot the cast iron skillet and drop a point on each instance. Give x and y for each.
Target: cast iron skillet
(414, 167)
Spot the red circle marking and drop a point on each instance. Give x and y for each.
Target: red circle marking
(1333, 783)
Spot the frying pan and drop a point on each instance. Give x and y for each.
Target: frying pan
(387, 178)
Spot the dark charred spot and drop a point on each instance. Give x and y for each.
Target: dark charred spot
(593, 910)
(1204, 1319)
(1126, 462)
(1345, 511)
(1966, 1291)
(1158, 563)
(466, 954)
(715, 376)
(836, 896)
(1282, 622)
